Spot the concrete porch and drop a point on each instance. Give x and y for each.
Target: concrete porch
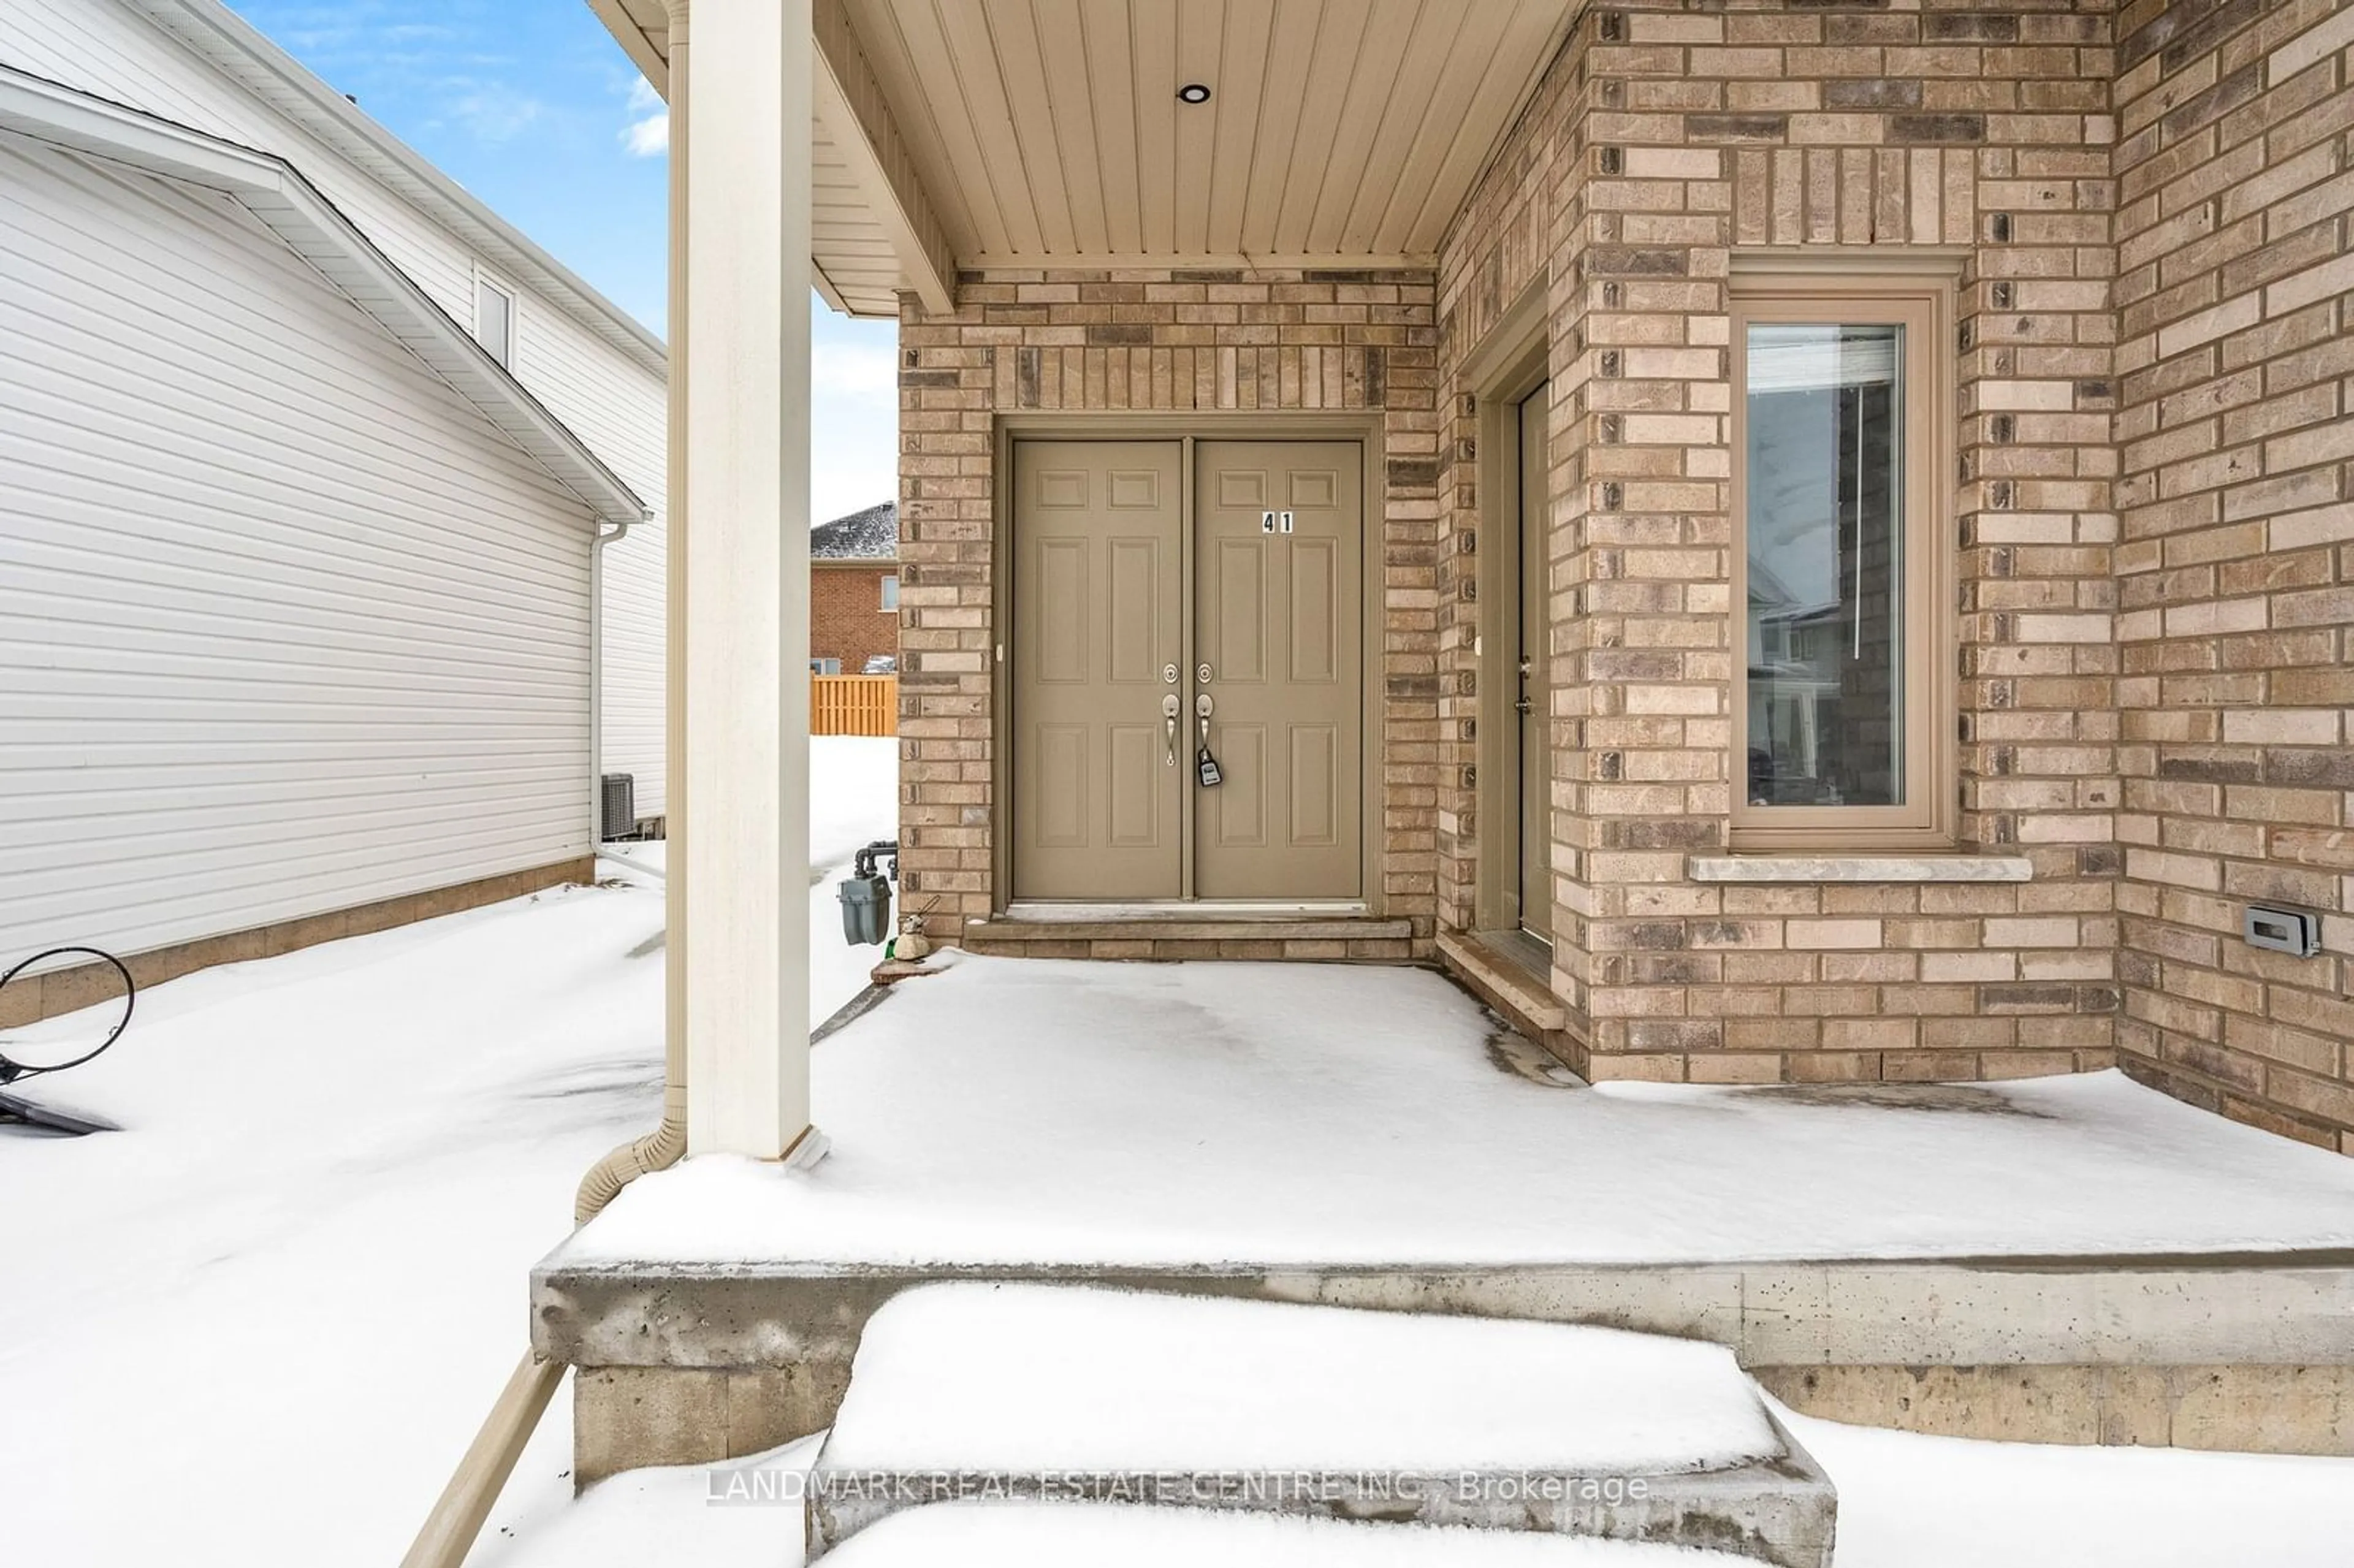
(2064, 1260)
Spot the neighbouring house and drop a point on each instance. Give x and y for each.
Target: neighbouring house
(312, 464)
(854, 591)
(1799, 542)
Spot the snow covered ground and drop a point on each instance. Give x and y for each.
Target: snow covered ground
(259, 1325)
(1321, 1114)
(1910, 1501)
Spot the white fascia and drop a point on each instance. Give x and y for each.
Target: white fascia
(310, 225)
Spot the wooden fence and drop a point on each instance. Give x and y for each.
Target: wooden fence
(853, 704)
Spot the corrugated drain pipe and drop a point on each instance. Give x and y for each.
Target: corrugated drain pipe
(466, 1502)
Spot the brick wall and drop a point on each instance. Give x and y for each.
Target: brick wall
(2146, 215)
(847, 620)
(1671, 139)
(1174, 342)
(2236, 564)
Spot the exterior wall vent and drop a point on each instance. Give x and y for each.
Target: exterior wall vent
(617, 795)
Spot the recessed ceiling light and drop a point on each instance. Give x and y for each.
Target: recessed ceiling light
(1192, 92)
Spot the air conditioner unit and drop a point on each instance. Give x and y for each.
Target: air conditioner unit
(619, 819)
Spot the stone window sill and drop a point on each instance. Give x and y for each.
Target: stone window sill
(1859, 868)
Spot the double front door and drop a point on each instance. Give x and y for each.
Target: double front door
(1187, 638)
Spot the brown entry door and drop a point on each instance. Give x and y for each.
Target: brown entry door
(1101, 776)
(1277, 649)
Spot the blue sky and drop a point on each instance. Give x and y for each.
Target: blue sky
(530, 105)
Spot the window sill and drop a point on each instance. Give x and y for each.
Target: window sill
(1859, 868)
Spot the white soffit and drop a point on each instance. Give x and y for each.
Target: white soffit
(1027, 133)
(642, 29)
(316, 231)
(1345, 132)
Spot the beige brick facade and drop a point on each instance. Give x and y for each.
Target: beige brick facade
(1166, 343)
(2145, 214)
(1667, 142)
(2235, 560)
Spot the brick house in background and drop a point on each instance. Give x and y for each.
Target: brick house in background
(854, 591)
(1799, 542)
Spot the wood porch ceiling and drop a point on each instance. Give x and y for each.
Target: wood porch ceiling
(1034, 134)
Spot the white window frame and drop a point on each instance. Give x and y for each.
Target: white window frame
(485, 279)
(890, 592)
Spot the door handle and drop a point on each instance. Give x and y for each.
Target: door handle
(1201, 706)
(1169, 717)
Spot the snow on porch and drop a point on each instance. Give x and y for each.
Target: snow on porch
(1045, 1112)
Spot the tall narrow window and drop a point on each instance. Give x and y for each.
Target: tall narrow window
(1842, 698)
(890, 593)
(495, 320)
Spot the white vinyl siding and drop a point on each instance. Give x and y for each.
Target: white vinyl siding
(623, 414)
(612, 402)
(285, 625)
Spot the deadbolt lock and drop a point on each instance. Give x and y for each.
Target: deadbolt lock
(1202, 673)
(1168, 673)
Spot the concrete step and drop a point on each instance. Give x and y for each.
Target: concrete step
(1056, 1395)
(1093, 1535)
(1500, 980)
(1016, 934)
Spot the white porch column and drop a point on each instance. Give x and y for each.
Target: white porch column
(738, 888)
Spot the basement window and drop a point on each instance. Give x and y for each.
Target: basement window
(494, 316)
(1843, 711)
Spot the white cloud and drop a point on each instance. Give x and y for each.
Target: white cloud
(495, 114)
(648, 135)
(648, 138)
(853, 413)
(864, 372)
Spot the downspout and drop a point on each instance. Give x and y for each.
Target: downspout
(597, 679)
(466, 1502)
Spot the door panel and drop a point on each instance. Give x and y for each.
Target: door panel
(1279, 621)
(1535, 892)
(1315, 784)
(1240, 821)
(1239, 594)
(1098, 613)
